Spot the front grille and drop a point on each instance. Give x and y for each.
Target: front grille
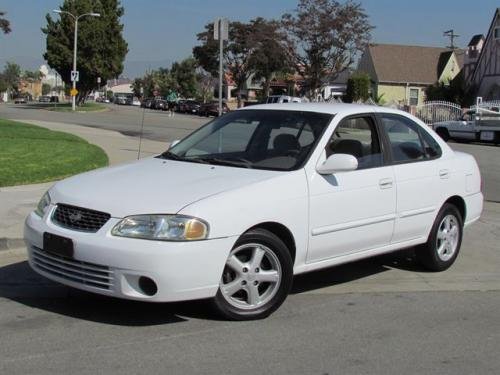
(95, 275)
(78, 218)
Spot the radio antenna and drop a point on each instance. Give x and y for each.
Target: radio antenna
(140, 135)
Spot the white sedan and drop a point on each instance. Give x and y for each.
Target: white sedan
(236, 209)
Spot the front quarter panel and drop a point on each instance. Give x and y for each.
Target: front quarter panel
(282, 199)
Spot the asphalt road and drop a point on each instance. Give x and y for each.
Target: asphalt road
(157, 125)
(383, 315)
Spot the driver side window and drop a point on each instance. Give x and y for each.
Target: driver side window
(357, 136)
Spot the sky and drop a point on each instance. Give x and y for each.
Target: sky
(159, 32)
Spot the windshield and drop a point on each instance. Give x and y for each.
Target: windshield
(261, 139)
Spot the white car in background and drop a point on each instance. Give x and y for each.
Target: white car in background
(236, 209)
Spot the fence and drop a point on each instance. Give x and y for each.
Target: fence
(437, 111)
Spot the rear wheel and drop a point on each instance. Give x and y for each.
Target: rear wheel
(257, 277)
(445, 239)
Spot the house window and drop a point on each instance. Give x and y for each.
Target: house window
(414, 96)
(497, 33)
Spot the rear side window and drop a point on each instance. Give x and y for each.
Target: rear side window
(404, 137)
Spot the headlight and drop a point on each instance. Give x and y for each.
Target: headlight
(43, 205)
(162, 227)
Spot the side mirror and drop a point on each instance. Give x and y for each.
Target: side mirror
(338, 163)
(174, 143)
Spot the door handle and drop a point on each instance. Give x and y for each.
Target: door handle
(444, 173)
(385, 183)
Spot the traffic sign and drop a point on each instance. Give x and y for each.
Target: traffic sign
(73, 92)
(221, 29)
(75, 76)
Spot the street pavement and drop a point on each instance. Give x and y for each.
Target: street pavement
(383, 315)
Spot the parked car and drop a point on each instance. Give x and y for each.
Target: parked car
(44, 99)
(159, 104)
(179, 105)
(146, 103)
(237, 208)
(136, 102)
(283, 99)
(212, 109)
(120, 100)
(20, 100)
(193, 106)
(55, 99)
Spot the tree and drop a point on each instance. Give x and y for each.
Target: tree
(358, 88)
(183, 75)
(205, 84)
(269, 56)
(11, 77)
(455, 91)
(237, 52)
(324, 38)
(4, 23)
(101, 47)
(45, 88)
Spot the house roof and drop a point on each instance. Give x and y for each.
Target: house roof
(475, 40)
(483, 51)
(413, 64)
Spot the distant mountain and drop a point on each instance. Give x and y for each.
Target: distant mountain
(133, 69)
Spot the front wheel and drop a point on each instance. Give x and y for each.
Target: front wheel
(257, 277)
(445, 239)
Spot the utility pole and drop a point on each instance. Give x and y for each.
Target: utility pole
(451, 34)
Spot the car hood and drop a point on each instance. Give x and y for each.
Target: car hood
(152, 185)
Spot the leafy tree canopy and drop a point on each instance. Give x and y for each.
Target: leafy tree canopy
(4, 23)
(10, 77)
(101, 47)
(237, 52)
(324, 38)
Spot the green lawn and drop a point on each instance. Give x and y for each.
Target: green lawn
(31, 154)
(66, 107)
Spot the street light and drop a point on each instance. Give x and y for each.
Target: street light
(76, 18)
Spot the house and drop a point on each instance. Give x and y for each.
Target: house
(486, 76)
(472, 55)
(401, 73)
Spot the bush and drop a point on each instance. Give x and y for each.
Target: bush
(358, 88)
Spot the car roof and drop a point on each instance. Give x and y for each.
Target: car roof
(331, 108)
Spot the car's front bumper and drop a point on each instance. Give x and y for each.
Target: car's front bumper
(112, 266)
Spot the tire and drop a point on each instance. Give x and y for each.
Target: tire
(445, 239)
(443, 133)
(256, 279)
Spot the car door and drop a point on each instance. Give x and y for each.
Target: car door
(352, 211)
(417, 175)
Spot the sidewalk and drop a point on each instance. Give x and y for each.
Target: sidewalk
(17, 202)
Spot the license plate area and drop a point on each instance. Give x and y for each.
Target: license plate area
(487, 136)
(58, 245)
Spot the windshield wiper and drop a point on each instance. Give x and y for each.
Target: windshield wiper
(212, 160)
(171, 156)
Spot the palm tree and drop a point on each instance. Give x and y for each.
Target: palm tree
(4, 23)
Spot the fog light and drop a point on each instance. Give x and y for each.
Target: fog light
(148, 286)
